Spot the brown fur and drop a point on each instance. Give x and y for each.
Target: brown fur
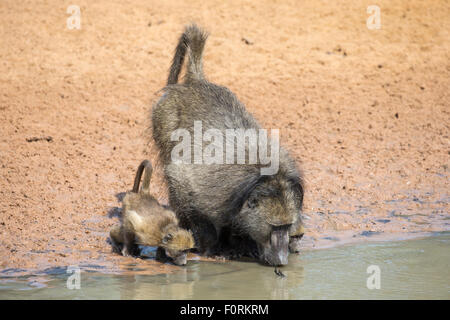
(145, 222)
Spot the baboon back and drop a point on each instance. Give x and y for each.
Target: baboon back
(215, 106)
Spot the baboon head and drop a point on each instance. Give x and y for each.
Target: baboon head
(267, 214)
(176, 244)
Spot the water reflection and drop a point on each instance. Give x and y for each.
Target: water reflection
(210, 280)
(413, 269)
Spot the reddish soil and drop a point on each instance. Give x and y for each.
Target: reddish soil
(365, 112)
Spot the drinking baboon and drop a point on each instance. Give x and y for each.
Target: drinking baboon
(145, 222)
(222, 203)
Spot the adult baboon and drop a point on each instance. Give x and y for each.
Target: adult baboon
(222, 203)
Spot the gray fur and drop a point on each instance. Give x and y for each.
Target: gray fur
(209, 199)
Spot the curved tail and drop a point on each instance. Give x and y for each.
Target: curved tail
(192, 41)
(147, 165)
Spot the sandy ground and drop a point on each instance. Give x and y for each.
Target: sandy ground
(364, 112)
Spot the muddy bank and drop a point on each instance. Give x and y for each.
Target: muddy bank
(364, 112)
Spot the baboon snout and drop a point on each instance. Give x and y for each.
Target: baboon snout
(277, 251)
(180, 260)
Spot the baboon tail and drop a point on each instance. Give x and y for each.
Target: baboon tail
(192, 41)
(147, 166)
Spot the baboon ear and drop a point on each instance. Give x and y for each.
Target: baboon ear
(297, 187)
(167, 238)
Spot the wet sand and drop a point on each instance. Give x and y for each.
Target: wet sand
(364, 112)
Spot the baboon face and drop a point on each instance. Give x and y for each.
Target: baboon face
(177, 245)
(267, 215)
(178, 257)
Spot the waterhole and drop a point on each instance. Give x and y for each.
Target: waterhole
(410, 269)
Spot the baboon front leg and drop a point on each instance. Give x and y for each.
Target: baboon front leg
(202, 229)
(205, 236)
(220, 246)
(116, 238)
(130, 247)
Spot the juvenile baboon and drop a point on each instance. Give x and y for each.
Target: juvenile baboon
(223, 204)
(145, 222)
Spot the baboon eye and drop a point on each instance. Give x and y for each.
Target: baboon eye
(167, 238)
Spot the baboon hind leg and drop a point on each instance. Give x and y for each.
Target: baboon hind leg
(189, 216)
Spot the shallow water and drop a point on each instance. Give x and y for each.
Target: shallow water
(411, 269)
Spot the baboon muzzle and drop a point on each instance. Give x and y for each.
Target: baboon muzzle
(180, 260)
(277, 252)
